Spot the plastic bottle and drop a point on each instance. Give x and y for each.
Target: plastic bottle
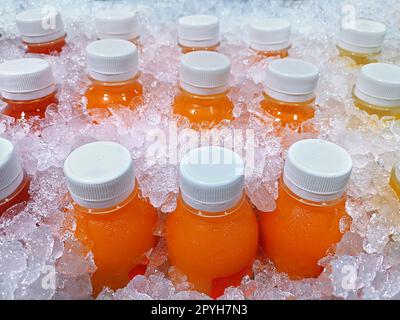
(362, 41)
(204, 85)
(42, 30)
(198, 33)
(112, 219)
(310, 208)
(113, 69)
(270, 38)
(289, 94)
(212, 236)
(27, 87)
(14, 183)
(377, 90)
(395, 179)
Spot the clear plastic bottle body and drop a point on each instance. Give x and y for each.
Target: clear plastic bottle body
(21, 194)
(215, 250)
(377, 110)
(50, 47)
(119, 238)
(359, 58)
(299, 233)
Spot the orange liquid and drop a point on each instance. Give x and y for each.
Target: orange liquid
(26, 109)
(118, 238)
(46, 47)
(262, 55)
(109, 94)
(19, 195)
(292, 114)
(394, 183)
(206, 111)
(298, 234)
(215, 250)
(191, 49)
(359, 58)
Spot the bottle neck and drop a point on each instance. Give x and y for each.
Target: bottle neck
(12, 190)
(210, 211)
(113, 83)
(287, 101)
(210, 96)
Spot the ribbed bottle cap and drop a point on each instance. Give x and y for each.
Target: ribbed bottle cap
(112, 60)
(40, 25)
(270, 34)
(26, 79)
(205, 72)
(365, 36)
(379, 84)
(317, 170)
(117, 24)
(291, 80)
(100, 175)
(198, 31)
(211, 179)
(11, 173)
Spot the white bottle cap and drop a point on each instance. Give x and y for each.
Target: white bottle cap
(379, 84)
(26, 79)
(40, 25)
(198, 31)
(11, 173)
(112, 60)
(270, 35)
(100, 175)
(211, 179)
(204, 72)
(317, 170)
(291, 80)
(364, 37)
(117, 24)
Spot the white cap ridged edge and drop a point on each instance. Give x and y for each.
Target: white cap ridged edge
(303, 177)
(40, 25)
(198, 31)
(291, 80)
(270, 34)
(112, 60)
(379, 84)
(204, 72)
(11, 173)
(117, 24)
(207, 193)
(84, 167)
(365, 37)
(26, 79)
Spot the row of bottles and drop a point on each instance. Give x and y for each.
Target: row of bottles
(361, 41)
(214, 233)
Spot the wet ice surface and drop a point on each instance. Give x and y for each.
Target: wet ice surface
(37, 238)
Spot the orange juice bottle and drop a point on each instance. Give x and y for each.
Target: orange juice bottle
(112, 219)
(361, 41)
(117, 24)
(377, 90)
(14, 183)
(198, 33)
(270, 38)
(212, 236)
(289, 94)
(27, 87)
(204, 84)
(114, 74)
(309, 209)
(42, 30)
(395, 179)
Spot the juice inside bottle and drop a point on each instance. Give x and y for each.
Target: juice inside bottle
(14, 183)
(310, 208)
(113, 220)
(361, 41)
(212, 236)
(394, 179)
(270, 38)
(42, 31)
(198, 33)
(377, 90)
(204, 84)
(27, 87)
(114, 74)
(118, 24)
(289, 94)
